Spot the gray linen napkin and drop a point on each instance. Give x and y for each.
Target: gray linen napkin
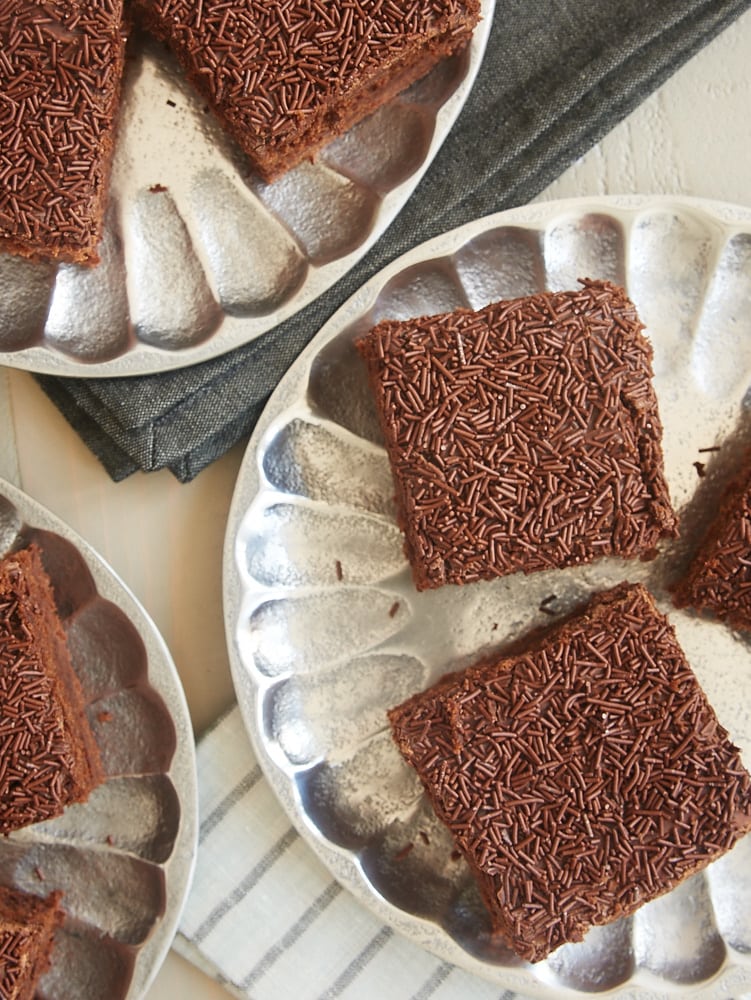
(557, 76)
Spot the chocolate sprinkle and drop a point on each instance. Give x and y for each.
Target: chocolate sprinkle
(579, 778)
(719, 577)
(60, 70)
(524, 436)
(285, 76)
(47, 756)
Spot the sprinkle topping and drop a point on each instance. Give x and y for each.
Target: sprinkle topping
(719, 578)
(40, 767)
(35, 757)
(15, 942)
(27, 924)
(582, 777)
(60, 68)
(524, 436)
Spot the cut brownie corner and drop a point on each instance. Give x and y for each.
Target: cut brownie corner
(718, 578)
(27, 928)
(523, 436)
(581, 777)
(49, 754)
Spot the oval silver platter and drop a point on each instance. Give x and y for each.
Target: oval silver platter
(326, 630)
(200, 256)
(123, 859)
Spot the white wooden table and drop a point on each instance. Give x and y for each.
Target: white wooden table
(692, 137)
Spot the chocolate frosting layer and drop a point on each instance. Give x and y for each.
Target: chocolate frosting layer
(48, 757)
(524, 436)
(718, 579)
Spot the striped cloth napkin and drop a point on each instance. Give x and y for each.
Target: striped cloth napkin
(8, 455)
(266, 918)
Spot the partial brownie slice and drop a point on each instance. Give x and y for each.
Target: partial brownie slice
(61, 64)
(27, 928)
(581, 777)
(524, 436)
(48, 755)
(718, 579)
(286, 76)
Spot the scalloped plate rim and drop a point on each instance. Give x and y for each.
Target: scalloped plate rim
(250, 686)
(163, 677)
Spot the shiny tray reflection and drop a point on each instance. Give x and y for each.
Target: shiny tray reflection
(200, 256)
(124, 858)
(327, 631)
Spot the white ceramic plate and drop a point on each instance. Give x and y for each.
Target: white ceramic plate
(200, 256)
(123, 859)
(326, 630)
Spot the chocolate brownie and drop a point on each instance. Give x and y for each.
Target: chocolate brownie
(580, 777)
(61, 64)
(27, 928)
(286, 76)
(718, 578)
(48, 755)
(523, 436)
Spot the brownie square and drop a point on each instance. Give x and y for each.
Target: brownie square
(523, 436)
(48, 756)
(27, 928)
(718, 579)
(286, 77)
(580, 777)
(61, 64)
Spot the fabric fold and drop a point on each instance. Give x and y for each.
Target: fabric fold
(555, 79)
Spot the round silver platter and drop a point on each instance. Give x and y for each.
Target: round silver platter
(200, 256)
(123, 859)
(326, 630)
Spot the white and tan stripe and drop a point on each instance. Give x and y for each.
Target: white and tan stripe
(267, 917)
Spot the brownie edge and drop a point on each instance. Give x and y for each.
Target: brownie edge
(49, 756)
(284, 77)
(61, 68)
(579, 778)
(27, 928)
(718, 579)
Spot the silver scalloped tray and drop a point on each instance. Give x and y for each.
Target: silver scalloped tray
(199, 256)
(123, 859)
(326, 631)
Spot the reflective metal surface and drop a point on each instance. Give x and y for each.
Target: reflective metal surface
(124, 858)
(326, 630)
(199, 256)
